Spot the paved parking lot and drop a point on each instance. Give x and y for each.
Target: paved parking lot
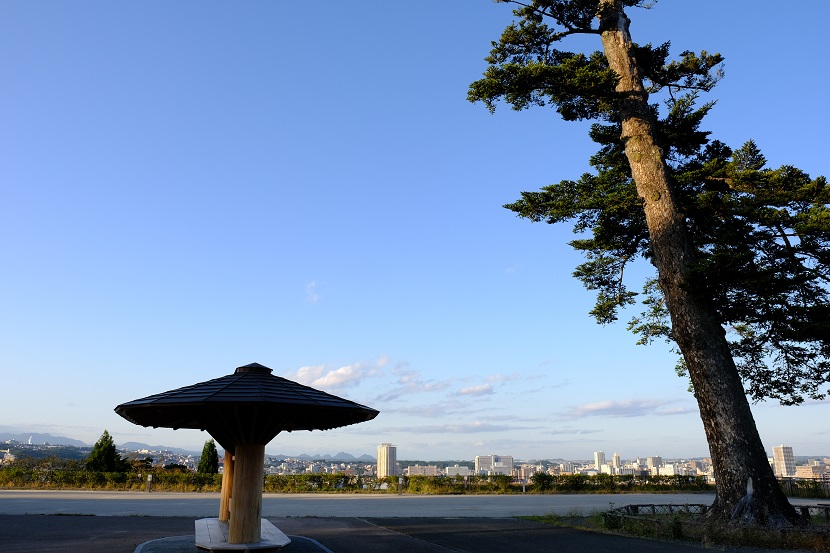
(117, 534)
(135, 522)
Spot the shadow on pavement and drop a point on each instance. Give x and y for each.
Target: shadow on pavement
(116, 534)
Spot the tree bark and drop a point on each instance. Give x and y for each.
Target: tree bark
(737, 452)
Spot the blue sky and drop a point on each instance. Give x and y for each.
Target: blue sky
(188, 187)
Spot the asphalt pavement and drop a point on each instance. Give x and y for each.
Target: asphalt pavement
(93, 534)
(135, 522)
(201, 505)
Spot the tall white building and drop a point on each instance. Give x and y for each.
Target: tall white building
(599, 459)
(494, 464)
(783, 461)
(458, 471)
(616, 461)
(387, 460)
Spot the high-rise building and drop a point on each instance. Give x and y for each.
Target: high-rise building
(494, 464)
(419, 470)
(599, 459)
(812, 472)
(616, 462)
(458, 471)
(783, 461)
(525, 471)
(387, 460)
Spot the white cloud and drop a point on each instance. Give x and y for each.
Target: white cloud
(435, 410)
(627, 408)
(307, 375)
(507, 377)
(456, 428)
(341, 377)
(318, 376)
(409, 382)
(571, 430)
(515, 418)
(480, 390)
(311, 292)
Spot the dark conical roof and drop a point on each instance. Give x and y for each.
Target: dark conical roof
(250, 406)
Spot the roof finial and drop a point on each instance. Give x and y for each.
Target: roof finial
(253, 368)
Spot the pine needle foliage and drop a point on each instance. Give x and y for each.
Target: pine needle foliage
(760, 235)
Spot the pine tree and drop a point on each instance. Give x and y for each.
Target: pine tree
(209, 461)
(104, 457)
(740, 251)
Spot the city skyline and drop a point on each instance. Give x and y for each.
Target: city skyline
(785, 464)
(386, 454)
(306, 186)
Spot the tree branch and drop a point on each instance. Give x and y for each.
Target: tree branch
(556, 36)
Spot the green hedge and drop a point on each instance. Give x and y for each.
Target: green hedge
(317, 482)
(606, 483)
(813, 489)
(175, 481)
(20, 477)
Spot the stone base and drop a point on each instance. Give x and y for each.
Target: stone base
(212, 534)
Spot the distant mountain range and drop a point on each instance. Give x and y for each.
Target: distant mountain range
(41, 439)
(138, 446)
(342, 456)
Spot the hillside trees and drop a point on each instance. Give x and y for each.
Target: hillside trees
(740, 251)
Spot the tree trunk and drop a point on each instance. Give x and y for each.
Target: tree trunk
(738, 455)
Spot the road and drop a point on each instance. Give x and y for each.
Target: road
(101, 503)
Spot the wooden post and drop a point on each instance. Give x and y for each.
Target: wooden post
(249, 465)
(227, 488)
